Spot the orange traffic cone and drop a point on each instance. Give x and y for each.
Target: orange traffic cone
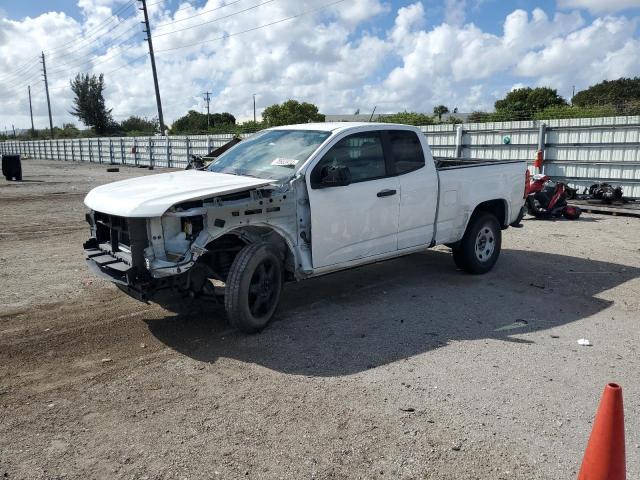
(604, 458)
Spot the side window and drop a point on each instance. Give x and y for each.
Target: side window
(362, 153)
(405, 151)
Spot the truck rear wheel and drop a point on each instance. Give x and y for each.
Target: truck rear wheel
(253, 287)
(479, 248)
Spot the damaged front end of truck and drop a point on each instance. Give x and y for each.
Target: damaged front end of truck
(191, 247)
(233, 231)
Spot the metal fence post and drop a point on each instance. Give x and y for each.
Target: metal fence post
(122, 151)
(542, 134)
(90, 152)
(168, 151)
(135, 151)
(208, 144)
(459, 134)
(150, 153)
(110, 152)
(188, 144)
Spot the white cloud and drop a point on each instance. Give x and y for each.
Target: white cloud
(455, 12)
(338, 58)
(599, 6)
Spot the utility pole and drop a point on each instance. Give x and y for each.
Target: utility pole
(254, 108)
(374, 111)
(33, 130)
(14, 130)
(207, 99)
(46, 87)
(153, 64)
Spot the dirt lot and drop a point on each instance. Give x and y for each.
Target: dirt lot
(404, 369)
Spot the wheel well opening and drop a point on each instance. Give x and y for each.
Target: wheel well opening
(498, 208)
(222, 251)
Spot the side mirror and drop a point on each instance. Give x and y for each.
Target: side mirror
(338, 176)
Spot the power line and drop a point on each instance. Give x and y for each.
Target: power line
(196, 15)
(25, 68)
(21, 70)
(254, 28)
(17, 88)
(90, 59)
(96, 29)
(215, 19)
(94, 43)
(183, 7)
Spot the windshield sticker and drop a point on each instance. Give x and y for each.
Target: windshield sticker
(285, 162)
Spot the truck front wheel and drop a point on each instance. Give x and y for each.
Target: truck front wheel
(479, 249)
(253, 287)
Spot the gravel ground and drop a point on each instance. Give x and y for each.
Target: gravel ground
(403, 369)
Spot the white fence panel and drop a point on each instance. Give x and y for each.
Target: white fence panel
(579, 150)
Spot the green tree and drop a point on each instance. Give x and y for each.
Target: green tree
(408, 118)
(576, 112)
(250, 126)
(523, 103)
(291, 112)
(479, 117)
(195, 122)
(136, 125)
(89, 105)
(623, 94)
(68, 130)
(439, 111)
(224, 118)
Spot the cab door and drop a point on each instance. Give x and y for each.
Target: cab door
(359, 219)
(418, 186)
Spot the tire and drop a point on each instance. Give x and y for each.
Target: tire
(253, 287)
(480, 246)
(517, 222)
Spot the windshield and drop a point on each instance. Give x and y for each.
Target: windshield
(274, 154)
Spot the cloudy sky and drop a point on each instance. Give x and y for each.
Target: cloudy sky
(342, 55)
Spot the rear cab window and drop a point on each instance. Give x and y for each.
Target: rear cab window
(404, 151)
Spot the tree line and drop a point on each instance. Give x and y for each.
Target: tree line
(608, 98)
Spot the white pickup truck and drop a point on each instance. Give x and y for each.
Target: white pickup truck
(295, 202)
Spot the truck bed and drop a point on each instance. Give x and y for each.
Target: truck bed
(448, 163)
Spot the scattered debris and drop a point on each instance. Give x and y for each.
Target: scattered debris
(606, 193)
(113, 169)
(584, 342)
(408, 409)
(554, 336)
(106, 360)
(519, 323)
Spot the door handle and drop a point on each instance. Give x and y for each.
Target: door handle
(386, 193)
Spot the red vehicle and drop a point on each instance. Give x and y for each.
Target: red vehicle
(548, 199)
